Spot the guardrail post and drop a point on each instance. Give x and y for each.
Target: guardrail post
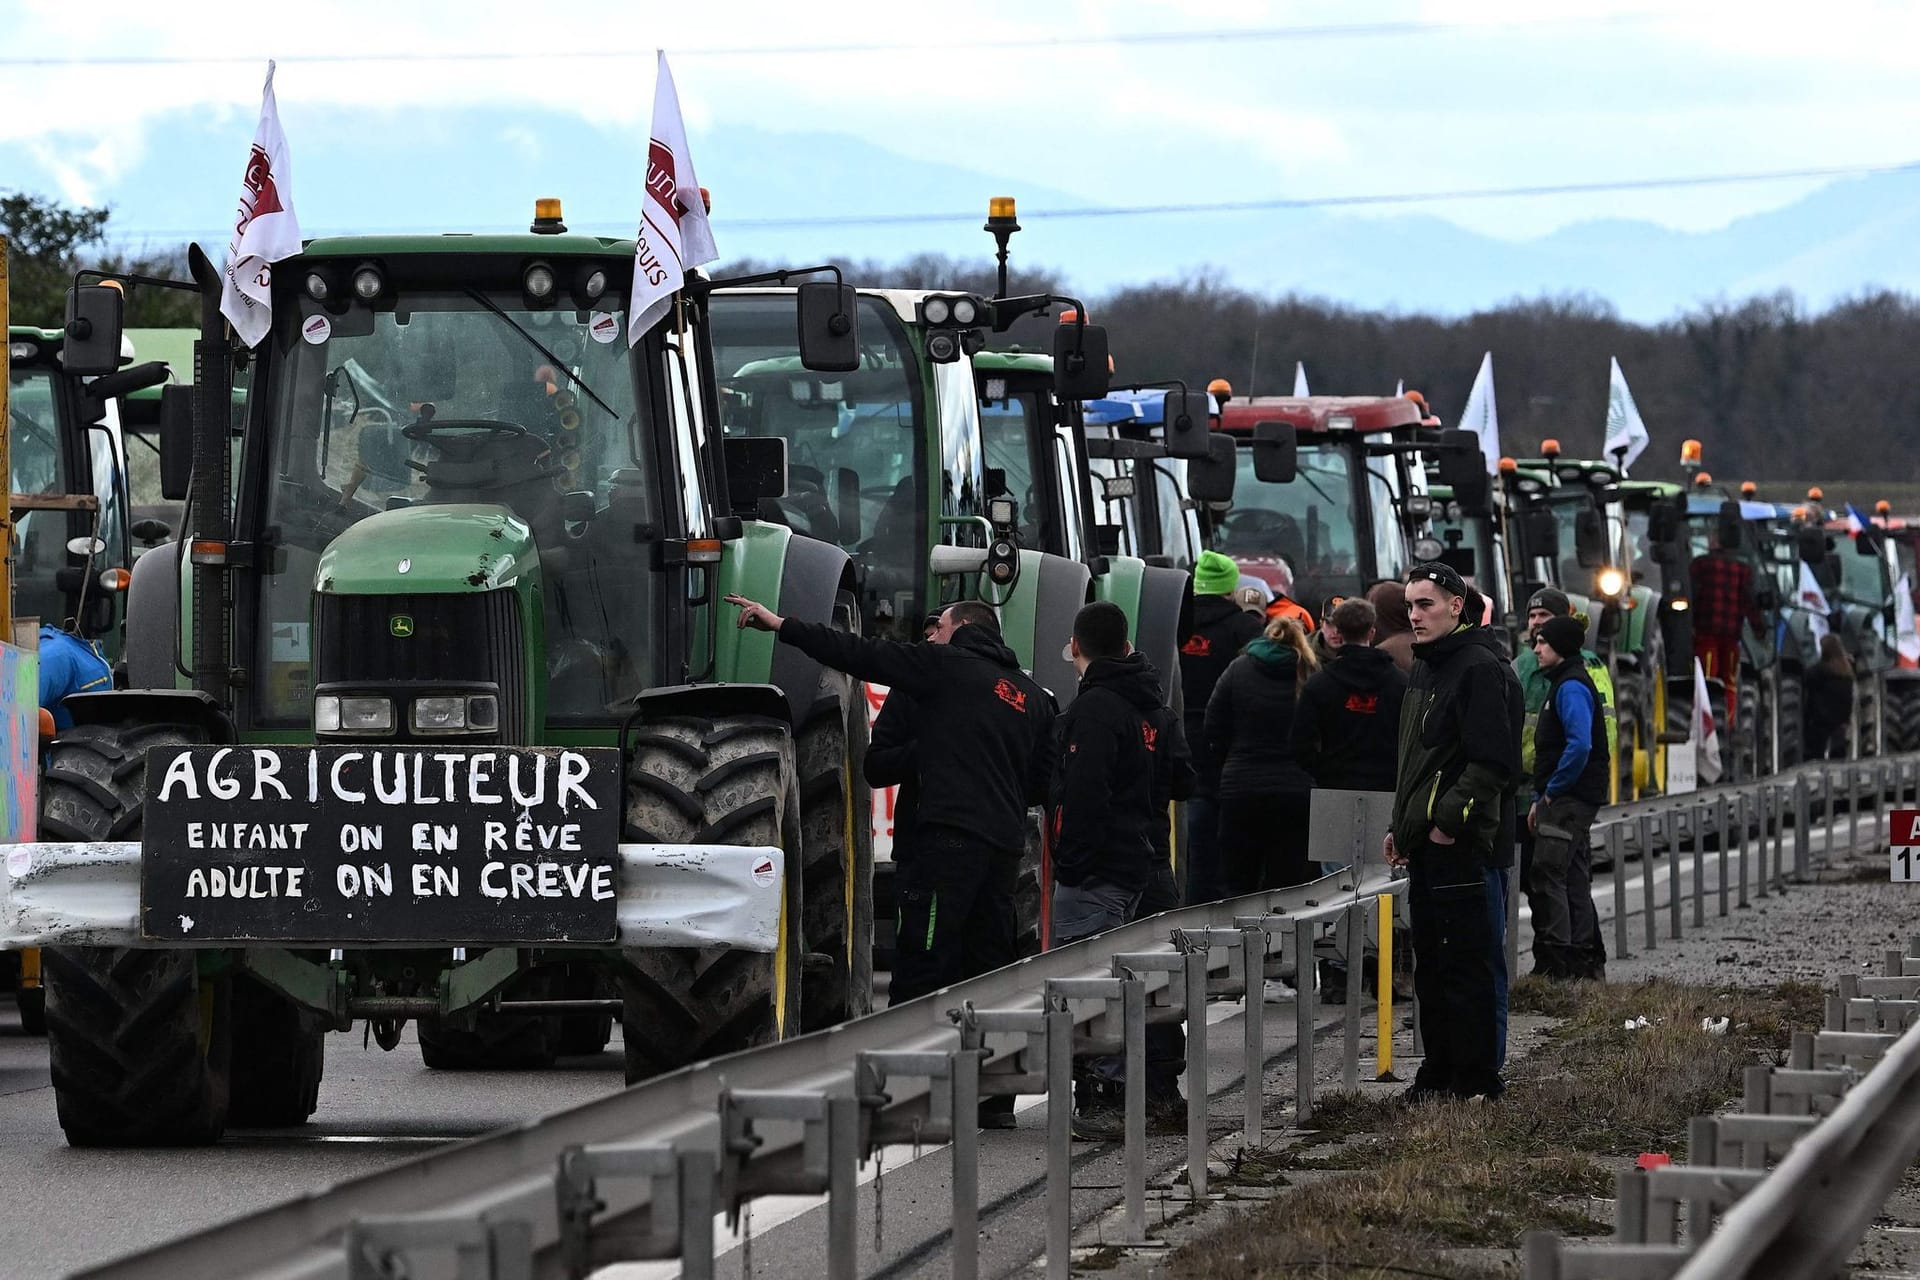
(1352, 929)
(1616, 850)
(1743, 821)
(1826, 776)
(1197, 1078)
(831, 1124)
(1763, 838)
(1643, 828)
(1856, 797)
(1725, 822)
(1671, 821)
(1630, 1206)
(1303, 1054)
(1133, 1019)
(1253, 1082)
(679, 1207)
(1059, 1020)
(1802, 822)
(1698, 823)
(950, 1119)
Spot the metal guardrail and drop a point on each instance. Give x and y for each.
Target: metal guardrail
(640, 1174)
(1840, 1124)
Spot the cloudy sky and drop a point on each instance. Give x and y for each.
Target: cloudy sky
(1114, 102)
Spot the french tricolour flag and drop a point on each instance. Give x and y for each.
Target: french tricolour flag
(1856, 522)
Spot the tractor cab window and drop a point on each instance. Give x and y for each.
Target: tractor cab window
(854, 454)
(1301, 536)
(456, 397)
(37, 466)
(1014, 429)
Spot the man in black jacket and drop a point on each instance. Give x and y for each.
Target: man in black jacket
(977, 773)
(1452, 828)
(1221, 629)
(1105, 814)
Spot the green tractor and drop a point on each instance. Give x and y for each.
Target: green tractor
(1614, 568)
(891, 461)
(464, 736)
(73, 544)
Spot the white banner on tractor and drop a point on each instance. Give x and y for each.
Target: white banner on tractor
(1626, 433)
(1702, 756)
(1482, 415)
(265, 229)
(674, 234)
(1905, 632)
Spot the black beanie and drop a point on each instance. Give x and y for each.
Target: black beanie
(1553, 600)
(1564, 635)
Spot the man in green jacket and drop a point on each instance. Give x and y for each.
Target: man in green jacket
(1452, 827)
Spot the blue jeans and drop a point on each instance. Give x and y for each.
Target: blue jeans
(1497, 917)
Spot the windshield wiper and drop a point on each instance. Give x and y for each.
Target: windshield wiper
(559, 365)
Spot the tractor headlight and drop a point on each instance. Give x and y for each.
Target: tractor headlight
(366, 283)
(936, 310)
(965, 311)
(456, 713)
(1611, 582)
(333, 713)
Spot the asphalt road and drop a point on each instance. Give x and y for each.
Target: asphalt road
(62, 1209)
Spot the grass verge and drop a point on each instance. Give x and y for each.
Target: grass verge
(1393, 1190)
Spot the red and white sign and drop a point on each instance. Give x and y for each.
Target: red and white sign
(265, 229)
(1903, 827)
(673, 234)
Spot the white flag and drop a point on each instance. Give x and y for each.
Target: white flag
(1482, 415)
(673, 234)
(1400, 387)
(1904, 630)
(1705, 735)
(264, 229)
(1814, 601)
(1300, 379)
(1626, 433)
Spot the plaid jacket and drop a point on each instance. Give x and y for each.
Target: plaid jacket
(1722, 594)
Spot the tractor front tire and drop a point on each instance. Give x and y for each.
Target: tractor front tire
(1903, 718)
(491, 1041)
(137, 1042)
(836, 839)
(726, 780)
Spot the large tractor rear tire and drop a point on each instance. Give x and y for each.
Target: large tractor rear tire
(137, 1042)
(727, 780)
(33, 1010)
(278, 1059)
(836, 840)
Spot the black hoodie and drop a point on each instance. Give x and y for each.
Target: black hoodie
(1346, 732)
(982, 753)
(1250, 724)
(1221, 629)
(1103, 805)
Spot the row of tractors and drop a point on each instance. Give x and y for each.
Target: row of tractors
(444, 534)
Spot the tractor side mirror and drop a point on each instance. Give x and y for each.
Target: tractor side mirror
(1662, 524)
(1459, 559)
(176, 442)
(829, 336)
(1543, 535)
(94, 324)
(1589, 539)
(1276, 452)
(1210, 479)
(1866, 544)
(756, 469)
(1187, 434)
(1081, 366)
(1462, 467)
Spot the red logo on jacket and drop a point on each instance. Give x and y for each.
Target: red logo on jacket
(1011, 694)
(1364, 704)
(1197, 646)
(1149, 735)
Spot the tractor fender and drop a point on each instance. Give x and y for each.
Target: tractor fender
(153, 706)
(1037, 621)
(812, 576)
(711, 701)
(1166, 614)
(153, 618)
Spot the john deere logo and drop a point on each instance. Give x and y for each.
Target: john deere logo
(401, 625)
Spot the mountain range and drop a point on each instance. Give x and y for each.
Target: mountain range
(479, 169)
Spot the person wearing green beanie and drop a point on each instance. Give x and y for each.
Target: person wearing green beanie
(1215, 574)
(1221, 629)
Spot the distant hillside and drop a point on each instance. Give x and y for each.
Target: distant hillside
(472, 169)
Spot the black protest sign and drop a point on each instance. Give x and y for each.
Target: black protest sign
(425, 844)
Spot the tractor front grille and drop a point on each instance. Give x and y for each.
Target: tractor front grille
(450, 638)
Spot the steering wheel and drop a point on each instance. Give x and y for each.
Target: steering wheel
(427, 428)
